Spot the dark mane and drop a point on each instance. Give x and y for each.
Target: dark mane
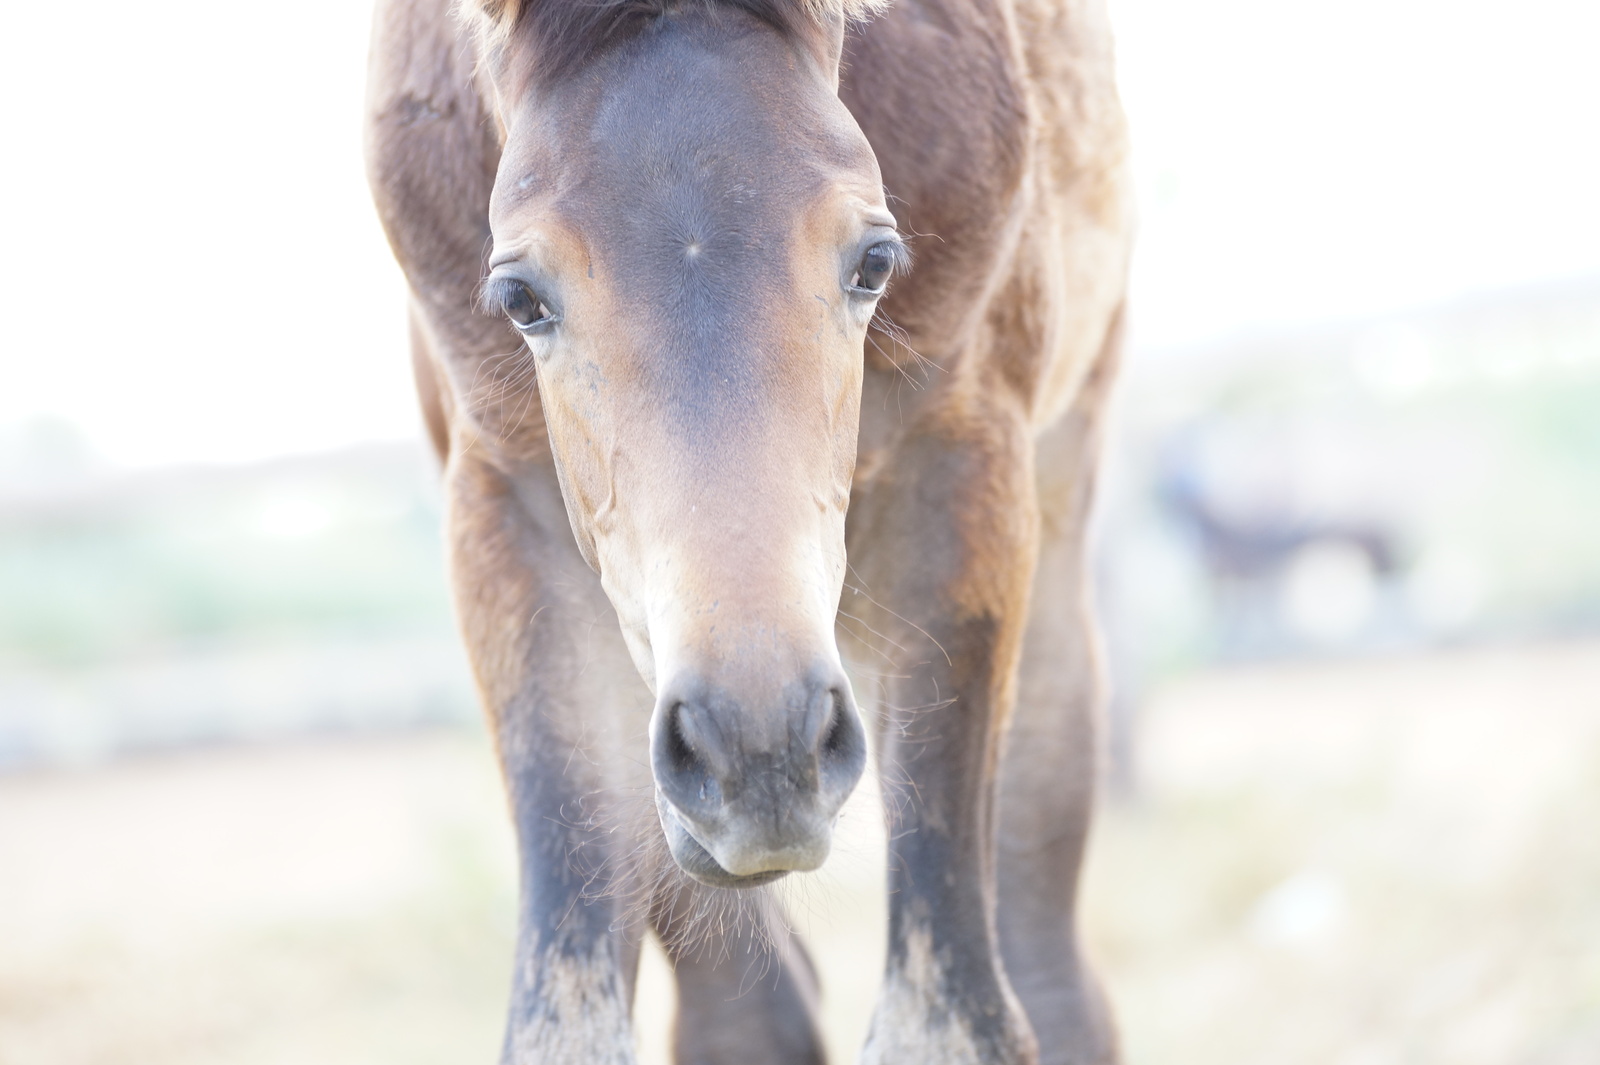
(564, 33)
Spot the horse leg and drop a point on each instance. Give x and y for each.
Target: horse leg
(1047, 778)
(559, 690)
(943, 545)
(747, 991)
(430, 393)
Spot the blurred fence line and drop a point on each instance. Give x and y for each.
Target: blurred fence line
(206, 604)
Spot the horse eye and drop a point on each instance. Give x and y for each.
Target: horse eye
(524, 308)
(876, 266)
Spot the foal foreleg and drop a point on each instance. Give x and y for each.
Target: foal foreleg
(1047, 778)
(540, 637)
(747, 992)
(946, 554)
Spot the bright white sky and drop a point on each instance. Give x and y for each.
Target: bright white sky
(194, 272)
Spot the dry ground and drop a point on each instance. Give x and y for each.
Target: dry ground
(1377, 863)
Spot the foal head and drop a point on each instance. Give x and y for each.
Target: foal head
(690, 233)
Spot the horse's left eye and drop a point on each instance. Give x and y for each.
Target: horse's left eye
(876, 266)
(525, 310)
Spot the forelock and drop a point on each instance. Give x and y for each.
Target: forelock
(565, 32)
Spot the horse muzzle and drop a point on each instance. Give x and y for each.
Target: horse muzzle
(748, 790)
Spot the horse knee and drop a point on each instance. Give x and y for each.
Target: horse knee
(748, 1009)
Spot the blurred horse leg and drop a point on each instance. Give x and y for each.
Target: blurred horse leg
(1047, 779)
(747, 991)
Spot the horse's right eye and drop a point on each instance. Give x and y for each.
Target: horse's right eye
(524, 308)
(878, 264)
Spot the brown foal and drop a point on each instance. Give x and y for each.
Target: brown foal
(702, 427)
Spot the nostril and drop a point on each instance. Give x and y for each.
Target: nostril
(681, 765)
(838, 737)
(842, 753)
(680, 756)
